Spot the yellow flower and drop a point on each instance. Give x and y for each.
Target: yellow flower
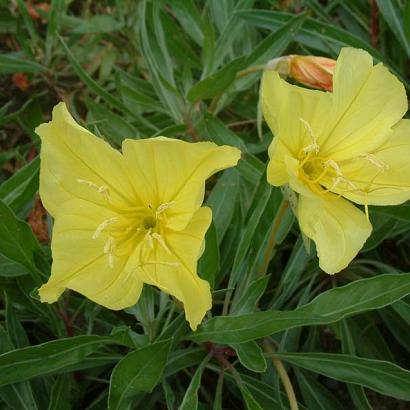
(122, 220)
(352, 143)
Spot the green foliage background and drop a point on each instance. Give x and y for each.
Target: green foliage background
(180, 68)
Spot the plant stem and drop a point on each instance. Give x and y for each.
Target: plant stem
(251, 70)
(272, 239)
(283, 376)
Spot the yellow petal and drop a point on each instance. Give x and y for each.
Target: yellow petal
(77, 164)
(383, 176)
(337, 227)
(367, 101)
(173, 267)
(166, 170)
(276, 172)
(293, 112)
(79, 261)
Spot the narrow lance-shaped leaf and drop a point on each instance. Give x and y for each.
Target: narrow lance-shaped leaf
(378, 375)
(190, 401)
(47, 358)
(138, 372)
(17, 241)
(328, 307)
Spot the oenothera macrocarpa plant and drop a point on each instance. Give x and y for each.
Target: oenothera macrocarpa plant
(123, 220)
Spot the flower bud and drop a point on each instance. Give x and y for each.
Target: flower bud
(315, 72)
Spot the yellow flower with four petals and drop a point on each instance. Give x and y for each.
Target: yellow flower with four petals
(351, 144)
(122, 220)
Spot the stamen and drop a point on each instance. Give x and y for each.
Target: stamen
(335, 166)
(366, 206)
(375, 161)
(313, 147)
(104, 225)
(339, 179)
(103, 190)
(164, 207)
(148, 238)
(161, 242)
(109, 247)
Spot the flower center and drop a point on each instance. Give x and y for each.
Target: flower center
(149, 222)
(315, 170)
(131, 227)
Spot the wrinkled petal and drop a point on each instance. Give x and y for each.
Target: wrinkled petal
(79, 261)
(77, 164)
(337, 227)
(293, 113)
(166, 170)
(382, 177)
(367, 101)
(174, 269)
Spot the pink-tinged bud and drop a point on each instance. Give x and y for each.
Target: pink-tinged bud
(315, 72)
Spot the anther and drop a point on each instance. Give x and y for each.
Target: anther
(161, 242)
(164, 207)
(375, 161)
(148, 238)
(103, 190)
(313, 147)
(104, 226)
(335, 166)
(108, 250)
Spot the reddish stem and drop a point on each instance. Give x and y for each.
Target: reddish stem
(374, 23)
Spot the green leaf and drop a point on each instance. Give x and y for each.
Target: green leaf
(19, 189)
(190, 401)
(17, 395)
(138, 372)
(356, 392)
(9, 268)
(60, 393)
(189, 17)
(400, 212)
(13, 63)
(250, 401)
(93, 85)
(330, 306)
(17, 241)
(208, 265)
(315, 395)
(378, 375)
(313, 34)
(275, 43)
(248, 301)
(251, 356)
(17, 334)
(111, 125)
(222, 201)
(391, 12)
(98, 24)
(158, 62)
(260, 201)
(403, 309)
(47, 358)
(216, 83)
(406, 20)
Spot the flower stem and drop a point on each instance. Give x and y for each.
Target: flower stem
(283, 376)
(272, 239)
